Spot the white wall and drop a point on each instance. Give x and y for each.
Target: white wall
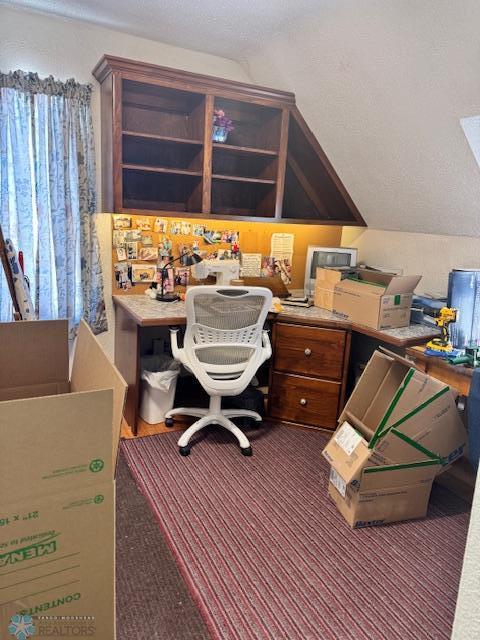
(433, 256)
(66, 48)
(383, 84)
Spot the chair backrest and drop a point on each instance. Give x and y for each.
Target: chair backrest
(225, 324)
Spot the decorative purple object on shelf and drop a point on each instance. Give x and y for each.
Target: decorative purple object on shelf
(222, 125)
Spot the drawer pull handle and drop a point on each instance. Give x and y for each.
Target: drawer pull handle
(308, 352)
(303, 402)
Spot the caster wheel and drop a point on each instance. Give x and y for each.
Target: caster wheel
(169, 422)
(247, 451)
(184, 451)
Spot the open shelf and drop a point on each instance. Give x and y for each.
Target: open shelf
(249, 151)
(161, 190)
(162, 111)
(152, 136)
(246, 165)
(170, 170)
(250, 198)
(218, 176)
(155, 153)
(256, 126)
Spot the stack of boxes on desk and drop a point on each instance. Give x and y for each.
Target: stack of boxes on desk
(399, 429)
(372, 298)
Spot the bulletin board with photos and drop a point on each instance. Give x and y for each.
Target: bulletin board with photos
(143, 245)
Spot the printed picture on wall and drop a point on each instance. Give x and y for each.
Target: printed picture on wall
(148, 253)
(160, 225)
(122, 222)
(198, 230)
(132, 250)
(121, 253)
(176, 228)
(143, 272)
(144, 224)
(119, 238)
(185, 228)
(182, 275)
(147, 240)
(121, 275)
(134, 236)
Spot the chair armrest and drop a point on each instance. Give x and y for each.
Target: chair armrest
(174, 342)
(266, 345)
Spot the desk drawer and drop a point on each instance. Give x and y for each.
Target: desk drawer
(304, 400)
(311, 351)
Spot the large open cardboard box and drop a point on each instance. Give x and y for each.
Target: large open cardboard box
(399, 429)
(375, 299)
(59, 440)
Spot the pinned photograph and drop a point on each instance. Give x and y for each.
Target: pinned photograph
(160, 225)
(186, 228)
(121, 254)
(132, 250)
(122, 222)
(147, 240)
(122, 278)
(144, 224)
(148, 253)
(143, 272)
(134, 236)
(119, 238)
(198, 230)
(176, 228)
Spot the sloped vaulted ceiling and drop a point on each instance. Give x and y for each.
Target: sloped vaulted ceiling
(383, 85)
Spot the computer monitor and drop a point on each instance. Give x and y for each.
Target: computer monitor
(326, 257)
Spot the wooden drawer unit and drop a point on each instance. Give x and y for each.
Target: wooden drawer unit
(310, 351)
(304, 400)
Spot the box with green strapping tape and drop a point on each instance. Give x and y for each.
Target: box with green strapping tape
(399, 429)
(60, 437)
(375, 299)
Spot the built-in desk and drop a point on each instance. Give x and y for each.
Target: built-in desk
(311, 352)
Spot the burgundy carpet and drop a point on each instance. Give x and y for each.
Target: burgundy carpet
(267, 556)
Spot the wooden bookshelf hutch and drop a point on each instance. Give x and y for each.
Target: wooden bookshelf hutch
(158, 156)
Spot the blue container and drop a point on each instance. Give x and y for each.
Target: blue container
(219, 134)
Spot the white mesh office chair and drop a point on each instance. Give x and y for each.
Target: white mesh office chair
(224, 346)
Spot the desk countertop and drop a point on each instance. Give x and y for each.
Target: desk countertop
(147, 312)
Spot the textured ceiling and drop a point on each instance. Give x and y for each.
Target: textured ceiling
(224, 28)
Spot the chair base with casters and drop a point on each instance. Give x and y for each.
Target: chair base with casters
(213, 415)
(224, 345)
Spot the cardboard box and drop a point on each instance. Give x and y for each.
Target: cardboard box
(374, 299)
(60, 441)
(399, 429)
(395, 402)
(325, 283)
(367, 491)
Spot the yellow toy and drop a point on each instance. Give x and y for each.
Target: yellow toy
(445, 317)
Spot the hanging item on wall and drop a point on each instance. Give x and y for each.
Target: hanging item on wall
(135, 235)
(185, 229)
(212, 237)
(147, 240)
(160, 225)
(176, 228)
(251, 265)
(143, 272)
(165, 247)
(132, 250)
(148, 253)
(121, 253)
(144, 224)
(119, 238)
(284, 269)
(122, 278)
(122, 222)
(198, 230)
